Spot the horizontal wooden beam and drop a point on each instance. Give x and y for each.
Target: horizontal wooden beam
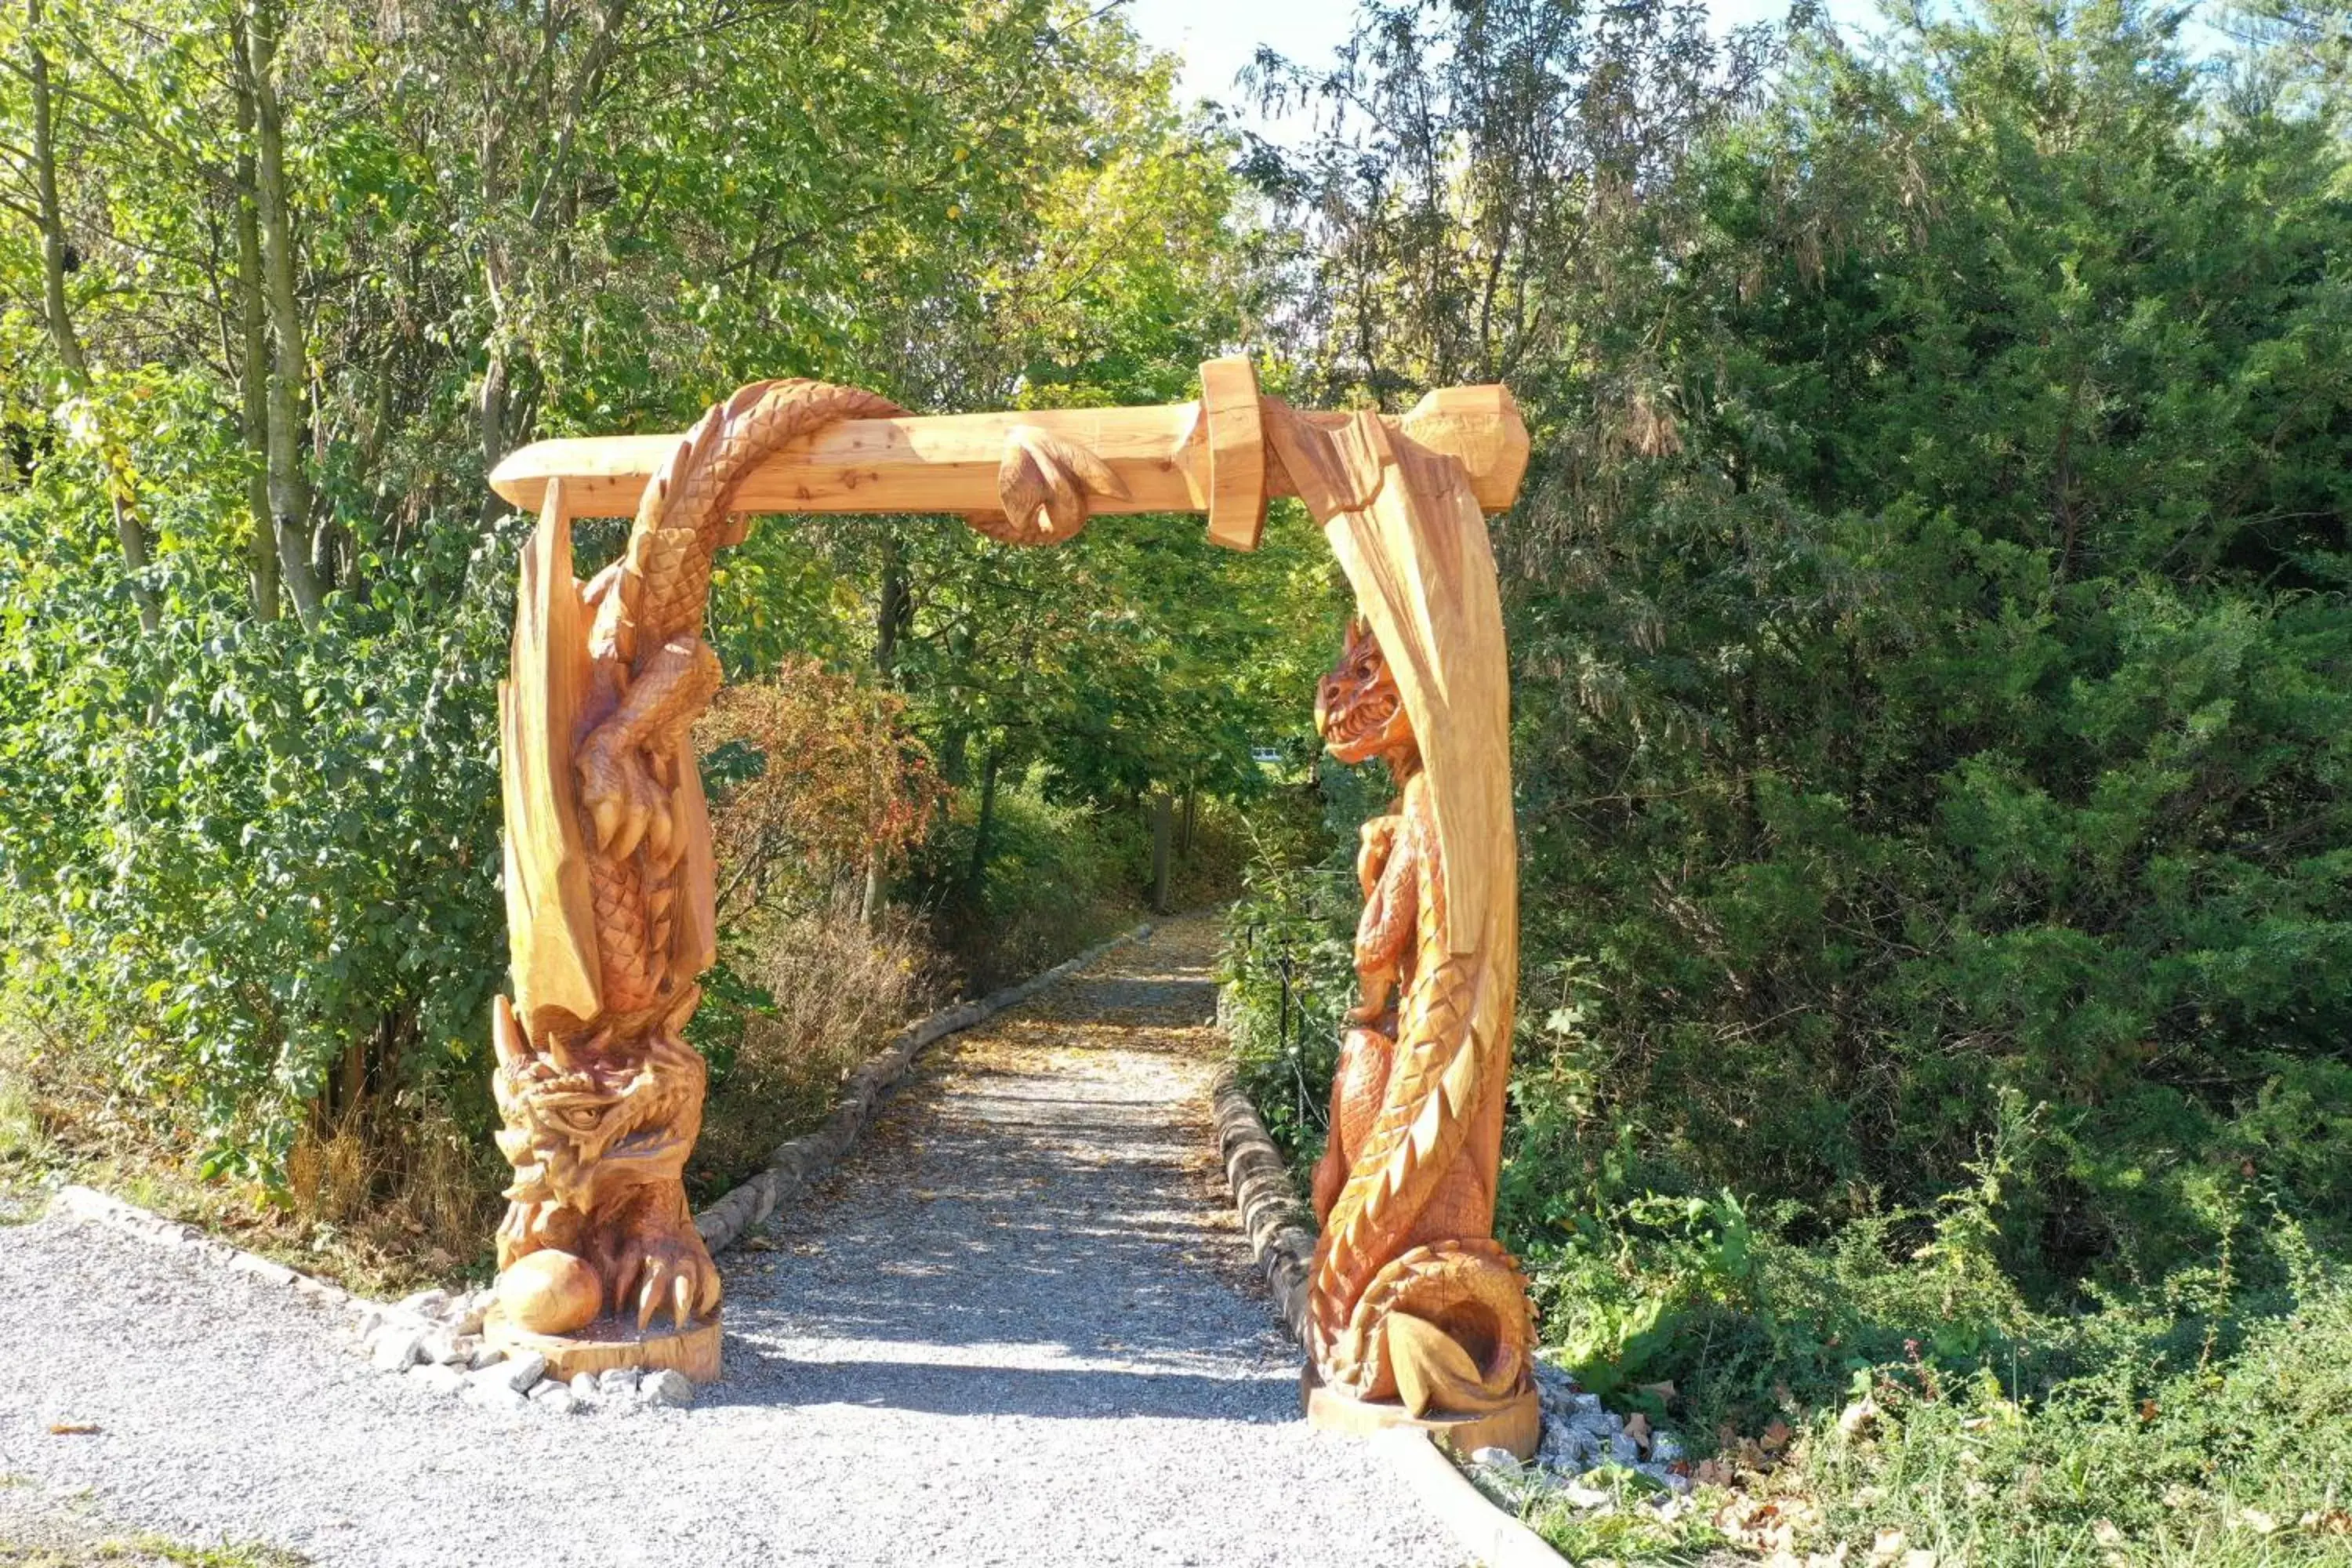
(948, 462)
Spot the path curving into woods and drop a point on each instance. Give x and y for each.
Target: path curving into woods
(1018, 1325)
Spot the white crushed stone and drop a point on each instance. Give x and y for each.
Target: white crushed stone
(1017, 1327)
(1581, 1444)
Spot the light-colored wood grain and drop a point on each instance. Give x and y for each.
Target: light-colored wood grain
(1480, 427)
(1409, 1300)
(551, 928)
(1516, 1425)
(950, 462)
(611, 1342)
(694, 943)
(1229, 404)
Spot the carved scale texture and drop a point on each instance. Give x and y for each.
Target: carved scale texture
(1447, 1272)
(1423, 1126)
(656, 607)
(689, 493)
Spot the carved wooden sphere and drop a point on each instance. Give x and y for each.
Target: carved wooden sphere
(551, 1292)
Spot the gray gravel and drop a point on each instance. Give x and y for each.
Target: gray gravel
(1018, 1326)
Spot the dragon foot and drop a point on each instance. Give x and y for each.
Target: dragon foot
(655, 1261)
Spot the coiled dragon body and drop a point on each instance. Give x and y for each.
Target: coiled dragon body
(1409, 1297)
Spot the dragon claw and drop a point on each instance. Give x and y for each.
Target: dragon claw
(633, 821)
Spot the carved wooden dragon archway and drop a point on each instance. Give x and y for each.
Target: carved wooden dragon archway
(1415, 1313)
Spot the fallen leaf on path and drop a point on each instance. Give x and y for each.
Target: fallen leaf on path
(1776, 1436)
(1637, 1426)
(72, 1429)
(1665, 1391)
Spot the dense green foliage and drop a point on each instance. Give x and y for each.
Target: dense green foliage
(1929, 620)
(1930, 651)
(280, 283)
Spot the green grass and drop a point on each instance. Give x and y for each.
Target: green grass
(1927, 1408)
(1879, 1384)
(2242, 1458)
(138, 1551)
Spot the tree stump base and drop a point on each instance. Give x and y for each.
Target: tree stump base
(1518, 1425)
(613, 1341)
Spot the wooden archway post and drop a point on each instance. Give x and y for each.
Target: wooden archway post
(1415, 1314)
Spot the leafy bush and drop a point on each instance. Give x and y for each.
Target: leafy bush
(1943, 708)
(814, 777)
(263, 863)
(1049, 878)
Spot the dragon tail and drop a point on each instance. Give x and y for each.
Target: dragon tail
(1425, 1120)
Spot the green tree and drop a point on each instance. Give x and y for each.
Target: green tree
(287, 280)
(1927, 603)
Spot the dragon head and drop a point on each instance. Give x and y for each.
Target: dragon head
(1358, 710)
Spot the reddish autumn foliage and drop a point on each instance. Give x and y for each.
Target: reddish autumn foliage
(812, 775)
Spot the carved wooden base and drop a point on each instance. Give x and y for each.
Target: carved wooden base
(1517, 1427)
(612, 1342)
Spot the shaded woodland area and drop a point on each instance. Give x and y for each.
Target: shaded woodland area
(1933, 667)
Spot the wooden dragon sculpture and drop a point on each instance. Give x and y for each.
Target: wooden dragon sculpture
(1410, 1297)
(1414, 1310)
(608, 877)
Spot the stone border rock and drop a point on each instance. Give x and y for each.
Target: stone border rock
(1493, 1536)
(105, 1208)
(1280, 1229)
(795, 1165)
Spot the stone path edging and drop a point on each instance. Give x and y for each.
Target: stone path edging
(1280, 1230)
(105, 1208)
(1486, 1530)
(1282, 1238)
(797, 1162)
(436, 1335)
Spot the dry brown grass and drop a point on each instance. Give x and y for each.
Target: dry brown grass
(839, 993)
(392, 1196)
(403, 1191)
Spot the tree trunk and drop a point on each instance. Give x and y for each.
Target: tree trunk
(975, 875)
(253, 327)
(891, 619)
(1184, 827)
(130, 530)
(290, 480)
(1161, 805)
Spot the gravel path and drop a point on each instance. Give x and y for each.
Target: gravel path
(1018, 1326)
